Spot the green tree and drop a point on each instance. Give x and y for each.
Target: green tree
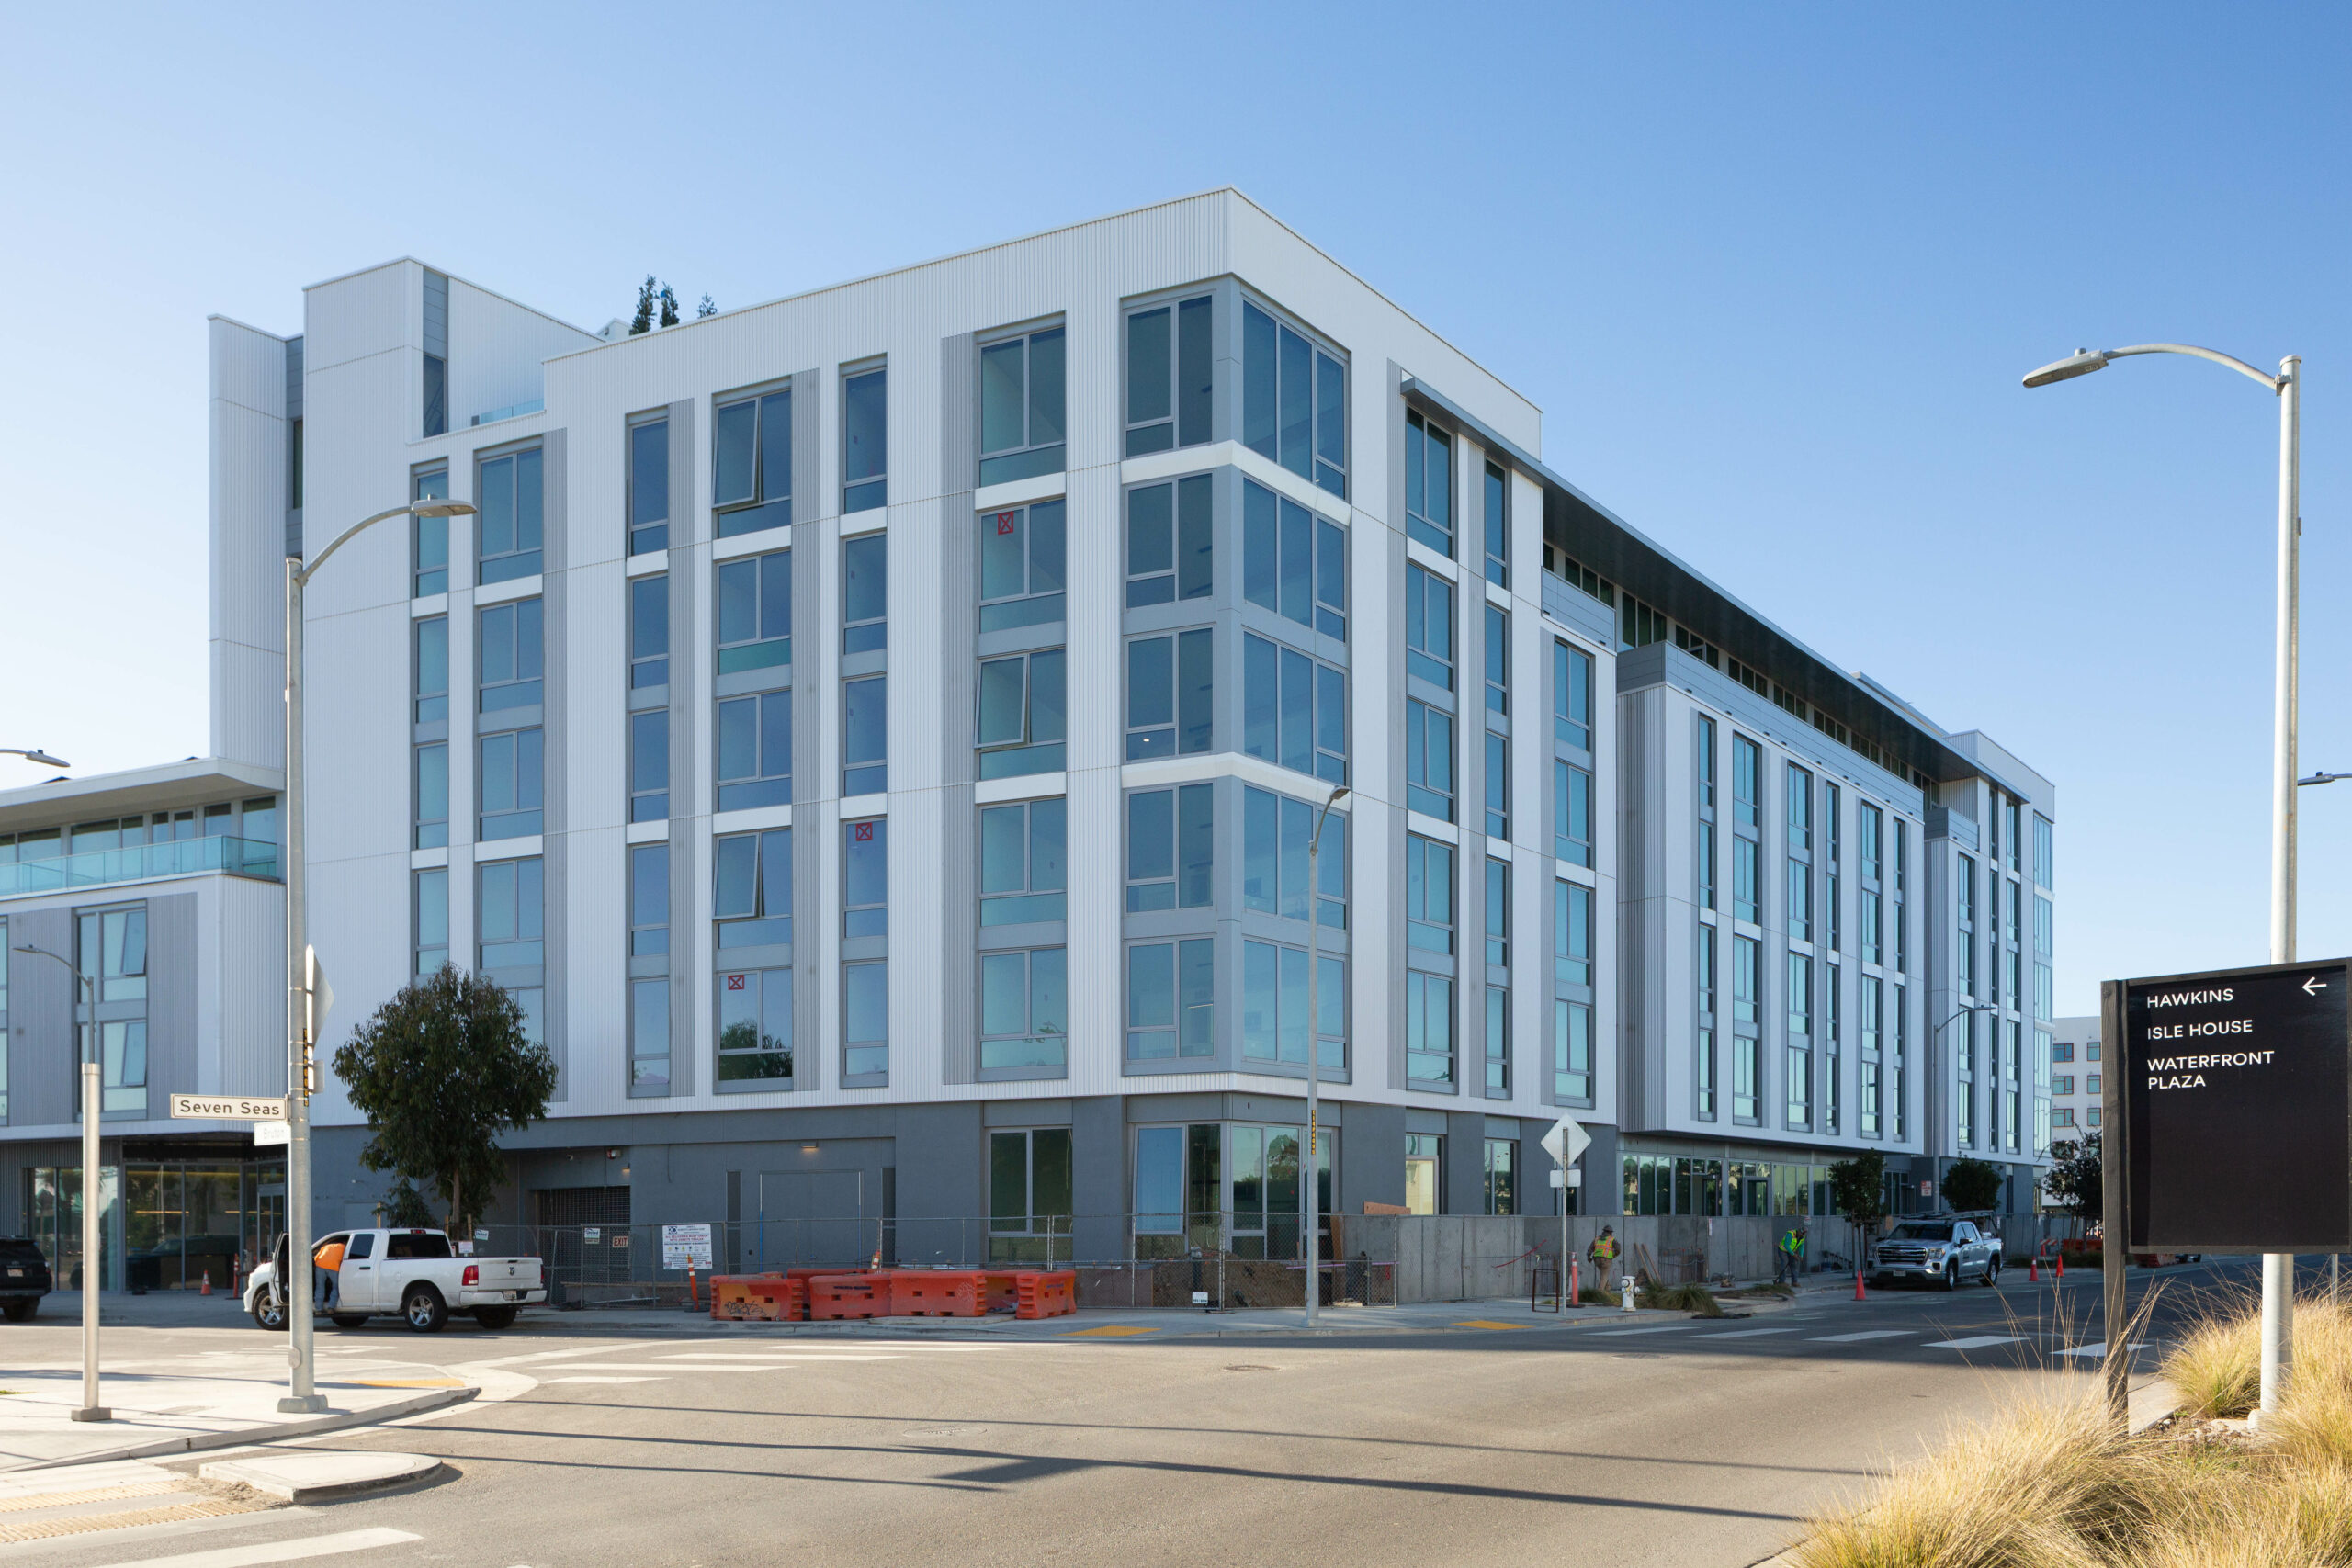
(669, 306)
(1971, 1184)
(439, 1072)
(707, 308)
(2075, 1179)
(1858, 1189)
(643, 321)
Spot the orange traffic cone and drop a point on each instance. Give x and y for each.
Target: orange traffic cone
(2062, 1268)
(208, 1283)
(2033, 1270)
(1858, 1287)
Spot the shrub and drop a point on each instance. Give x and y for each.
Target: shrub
(1679, 1298)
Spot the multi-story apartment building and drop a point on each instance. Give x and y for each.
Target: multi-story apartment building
(2075, 1079)
(878, 735)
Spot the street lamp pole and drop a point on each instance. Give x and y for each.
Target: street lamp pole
(1310, 1163)
(301, 1075)
(35, 755)
(2278, 1268)
(91, 1409)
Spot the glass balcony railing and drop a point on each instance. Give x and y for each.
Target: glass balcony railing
(94, 868)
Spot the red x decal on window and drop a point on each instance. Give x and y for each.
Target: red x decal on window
(862, 832)
(1004, 522)
(735, 982)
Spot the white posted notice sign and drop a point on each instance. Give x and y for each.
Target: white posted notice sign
(227, 1108)
(686, 1247)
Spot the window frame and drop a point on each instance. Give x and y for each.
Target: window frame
(1188, 672)
(1033, 901)
(1031, 751)
(1014, 611)
(526, 557)
(1029, 457)
(1190, 340)
(761, 506)
(864, 488)
(646, 433)
(1323, 400)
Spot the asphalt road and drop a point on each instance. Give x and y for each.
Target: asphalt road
(1681, 1442)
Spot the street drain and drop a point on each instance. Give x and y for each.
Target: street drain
(1252, 1369)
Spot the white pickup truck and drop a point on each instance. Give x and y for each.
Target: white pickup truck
(413, 1273)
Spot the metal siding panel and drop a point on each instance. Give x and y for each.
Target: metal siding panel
(41, 1004)
(172, 968)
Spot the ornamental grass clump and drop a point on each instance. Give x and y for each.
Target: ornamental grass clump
(1695, 1298)
(2216, 1367)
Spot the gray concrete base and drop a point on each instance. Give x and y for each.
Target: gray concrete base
(321, 1477)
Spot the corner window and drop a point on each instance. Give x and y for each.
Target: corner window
(1294, 562)
(513, 508)
(1024, 873)
(1021, 566)
(756, 613)
(1022, 382)
(1294, 401)
(1274, 1006)
(1021, 727)
(865, 441)
(1294, 710)
(1170, 529)
(1171, 999)
(1276, 832)
(1171, 695)
(1170, 352)
(751, 464)
(1428, 485)
(648, 484)
(1171, 848)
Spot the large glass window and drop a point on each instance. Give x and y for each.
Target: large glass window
(1170, 528)
(1029, 1190)
(755, 1027)
(1571, 696)
(1428, 627)
(648, 765)
(1703, 1043)
(866, 1019)
(865, 878)
(751, 891)
(1021, 565)
(1498, 886)
(1429, 1029)
(1273, 1006)
(1025, 871)
(1171, 848)
(1294, 401)
(1024, 1009)
(1497, 1034)
(1428, 485)
(1171, 999)
(1571, 934)
(1800, 835)
(649, 631)
(1275, 833)
(1294, 562)
(1170, 357)
(430, 935)
(2044, 874)
(1495, 515)
(751, 464)
(432, 670)
(1429, 760)
(648, 1033)
(1293, 709)
(756, 613)
(865, 441)
(1171, 695)
(1571, 814)
(865, 735)
(512, 653)
(649, 900)
(1021, 397)
(755, 750)
(1428, 895)
(510, 908)
(512, 512)
(648, 484)
(511, 782)
(866, 594)
(1497, 786)
(1572, 1052)
(429, 560)
(1497, 650)
(431, 788)
(1022, 714)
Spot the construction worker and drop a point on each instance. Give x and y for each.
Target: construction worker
(1790, 1261)
(326, 1263)
(1603, 1256)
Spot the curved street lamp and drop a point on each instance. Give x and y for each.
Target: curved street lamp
(2278, 1268)
(35, 755)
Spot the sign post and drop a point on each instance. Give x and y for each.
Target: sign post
(2211, 1068)
(1566, 1143)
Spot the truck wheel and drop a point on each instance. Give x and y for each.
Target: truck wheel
(21, 1310)
(1952, 1275)
(269, 1314)
(494, 1318)
(425, 1308)
(351, 1320)
(1993, 1272)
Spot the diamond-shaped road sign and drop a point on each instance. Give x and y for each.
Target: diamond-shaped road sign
(1566, 1141)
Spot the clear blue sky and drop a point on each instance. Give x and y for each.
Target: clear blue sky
(1771, 271)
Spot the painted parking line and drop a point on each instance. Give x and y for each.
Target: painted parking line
(1865, 1334)
(1976, 1342)
(277, 1551)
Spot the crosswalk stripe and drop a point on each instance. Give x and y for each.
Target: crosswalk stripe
(672, 1367)
(2098, 1349)
(1976, 1342)
(1865, 1334)
(1661, 1328)
(637, 1379)
(1748, 1333)
(276, 1551)
(766, 1358)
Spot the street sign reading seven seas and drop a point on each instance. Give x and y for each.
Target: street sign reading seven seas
(2237, 1109)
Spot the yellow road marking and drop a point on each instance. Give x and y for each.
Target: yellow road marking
(1109, 1330)
(1483, 1323)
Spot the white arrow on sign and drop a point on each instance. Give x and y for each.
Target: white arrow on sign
(2313, 986)
(1566, 1141)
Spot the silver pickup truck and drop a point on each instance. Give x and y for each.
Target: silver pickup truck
(1942, 1251)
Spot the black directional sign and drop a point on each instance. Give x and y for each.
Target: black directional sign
(2237, 1108)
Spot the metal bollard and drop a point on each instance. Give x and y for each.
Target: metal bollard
(1625, 1293)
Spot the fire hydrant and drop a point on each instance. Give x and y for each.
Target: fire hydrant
(1625, 1293)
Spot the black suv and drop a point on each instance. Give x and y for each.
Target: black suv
(24, 1279)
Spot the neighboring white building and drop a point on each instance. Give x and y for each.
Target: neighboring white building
(876, 732)
(2074, 1078)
